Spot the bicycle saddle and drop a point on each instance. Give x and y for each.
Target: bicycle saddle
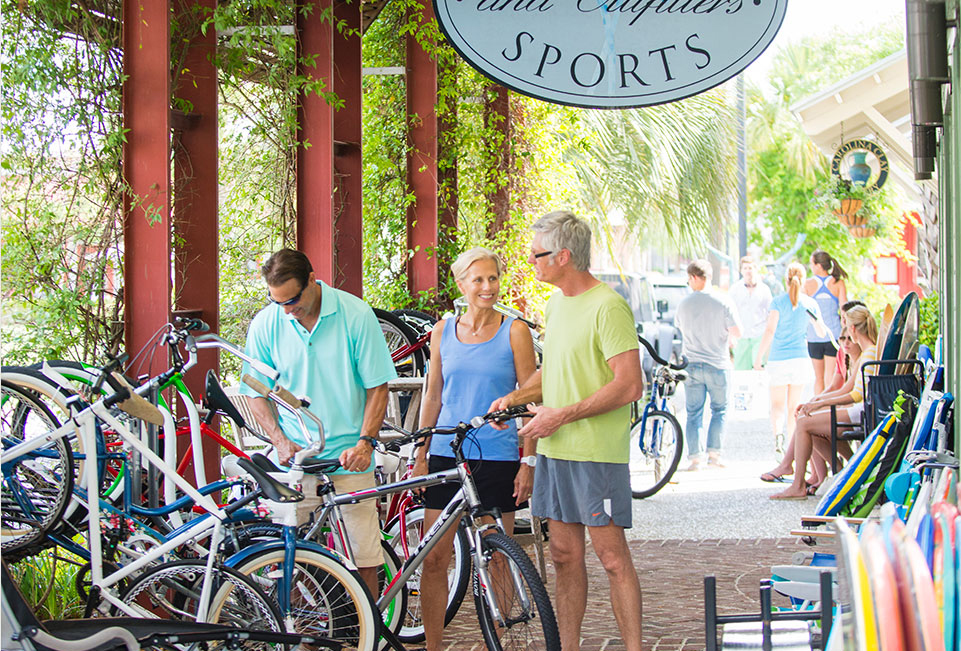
(273, 489)
(217, 400)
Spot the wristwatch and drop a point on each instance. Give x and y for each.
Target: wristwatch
(529, 460)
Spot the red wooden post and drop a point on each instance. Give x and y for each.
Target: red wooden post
(422, 162)
(315, 151)
(347, 204)
(196, 264)
(146, 168)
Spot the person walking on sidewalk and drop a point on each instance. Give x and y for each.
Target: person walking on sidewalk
(752, 298)
(707, 320)
(591, 374)
(827, 287)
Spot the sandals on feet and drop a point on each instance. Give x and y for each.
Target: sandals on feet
(771, 478)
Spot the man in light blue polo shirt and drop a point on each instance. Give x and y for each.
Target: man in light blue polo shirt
(328, 346)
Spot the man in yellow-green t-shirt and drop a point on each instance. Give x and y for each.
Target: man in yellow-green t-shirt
(591, 374)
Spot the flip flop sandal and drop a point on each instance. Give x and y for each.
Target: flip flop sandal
(771, 478)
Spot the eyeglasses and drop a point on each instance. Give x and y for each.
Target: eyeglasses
(541, 254)
(292, 301)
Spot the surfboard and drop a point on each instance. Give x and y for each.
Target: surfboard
(884, 593)
(887, 317)
(944, 569)
(903, 332)
(857, 469)
(856, 608)
(919, 612)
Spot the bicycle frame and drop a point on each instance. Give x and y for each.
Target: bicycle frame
(84, 423)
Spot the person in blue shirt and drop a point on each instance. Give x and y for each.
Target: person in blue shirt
(327, 346)
(475, 358)
(788, 366)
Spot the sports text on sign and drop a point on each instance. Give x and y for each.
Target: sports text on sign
(610, 53)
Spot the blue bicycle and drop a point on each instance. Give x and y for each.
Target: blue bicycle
(657, 440)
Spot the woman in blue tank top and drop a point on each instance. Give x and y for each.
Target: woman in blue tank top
(474, 359)
(827, 287)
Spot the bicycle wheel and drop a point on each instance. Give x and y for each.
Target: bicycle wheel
(173, 590)
(326, 598)
(399, 335)
(656, 448)
(38, 486)
(458, 576)
(521, 599)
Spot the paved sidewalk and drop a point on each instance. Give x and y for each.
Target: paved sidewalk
(712, 521)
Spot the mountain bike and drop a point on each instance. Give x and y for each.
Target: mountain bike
(657, 441)
(512, 604)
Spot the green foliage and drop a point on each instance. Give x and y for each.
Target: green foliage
(47, 584)
(930, 320)
(790, 187)
(61, 204)
(668, 168)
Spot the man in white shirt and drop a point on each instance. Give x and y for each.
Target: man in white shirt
(707, 321)
(752, 298)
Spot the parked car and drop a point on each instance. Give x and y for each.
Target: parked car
(639, 293)
(668, 292)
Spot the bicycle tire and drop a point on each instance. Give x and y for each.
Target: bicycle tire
(38, 487)
(172, 591)
(458, 577)
(398, 334)
(655, 452)
(327, 598)
(531, 626)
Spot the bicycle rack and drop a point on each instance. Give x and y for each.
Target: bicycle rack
(712, 620)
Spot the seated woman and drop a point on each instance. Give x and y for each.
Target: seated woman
(846, 362)
(814, 418)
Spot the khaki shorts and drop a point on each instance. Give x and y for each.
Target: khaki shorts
(361, 519)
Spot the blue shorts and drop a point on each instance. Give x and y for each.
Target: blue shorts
(586, 492)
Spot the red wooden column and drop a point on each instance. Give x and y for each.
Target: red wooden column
(447, 174)
(315, 151)
(196, 249)
(422, 162)
(347, 203)
(146, 168)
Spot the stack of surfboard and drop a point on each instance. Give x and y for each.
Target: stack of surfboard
(898, 587)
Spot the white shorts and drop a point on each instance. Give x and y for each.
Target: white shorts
(854, 412)
(790, 371)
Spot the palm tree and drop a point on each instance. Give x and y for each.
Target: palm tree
(668, 168)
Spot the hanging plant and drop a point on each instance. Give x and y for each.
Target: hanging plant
(857, 206)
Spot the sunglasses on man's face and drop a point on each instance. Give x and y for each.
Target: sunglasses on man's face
(287, 303)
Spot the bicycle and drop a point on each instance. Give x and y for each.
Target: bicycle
(203, 589)
(507, 602)
(657, 441)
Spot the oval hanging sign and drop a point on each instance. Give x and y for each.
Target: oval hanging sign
(610, 53)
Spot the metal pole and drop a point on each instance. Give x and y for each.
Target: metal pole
(741, 169)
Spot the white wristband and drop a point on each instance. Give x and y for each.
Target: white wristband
(529, 460)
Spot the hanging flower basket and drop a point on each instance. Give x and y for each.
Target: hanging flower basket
(862, 231)
(849, 206)
(851, 219)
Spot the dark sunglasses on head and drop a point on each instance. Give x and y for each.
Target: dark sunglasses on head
(292, 301)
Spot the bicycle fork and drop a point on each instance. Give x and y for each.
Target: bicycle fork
(484, 582)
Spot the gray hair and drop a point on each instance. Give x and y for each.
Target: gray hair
(459, 267)
(562, 230)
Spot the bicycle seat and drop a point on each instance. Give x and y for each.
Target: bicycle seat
(320, 466)
(265, 464)
(217, 400)
(273, 489)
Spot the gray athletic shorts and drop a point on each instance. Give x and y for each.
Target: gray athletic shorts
(586, 492)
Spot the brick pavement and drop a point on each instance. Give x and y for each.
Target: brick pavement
(672, 579)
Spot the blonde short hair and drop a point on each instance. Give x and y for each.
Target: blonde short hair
(459, 267)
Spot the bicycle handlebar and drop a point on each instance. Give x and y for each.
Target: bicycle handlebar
(660, 360)
(291, 403)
